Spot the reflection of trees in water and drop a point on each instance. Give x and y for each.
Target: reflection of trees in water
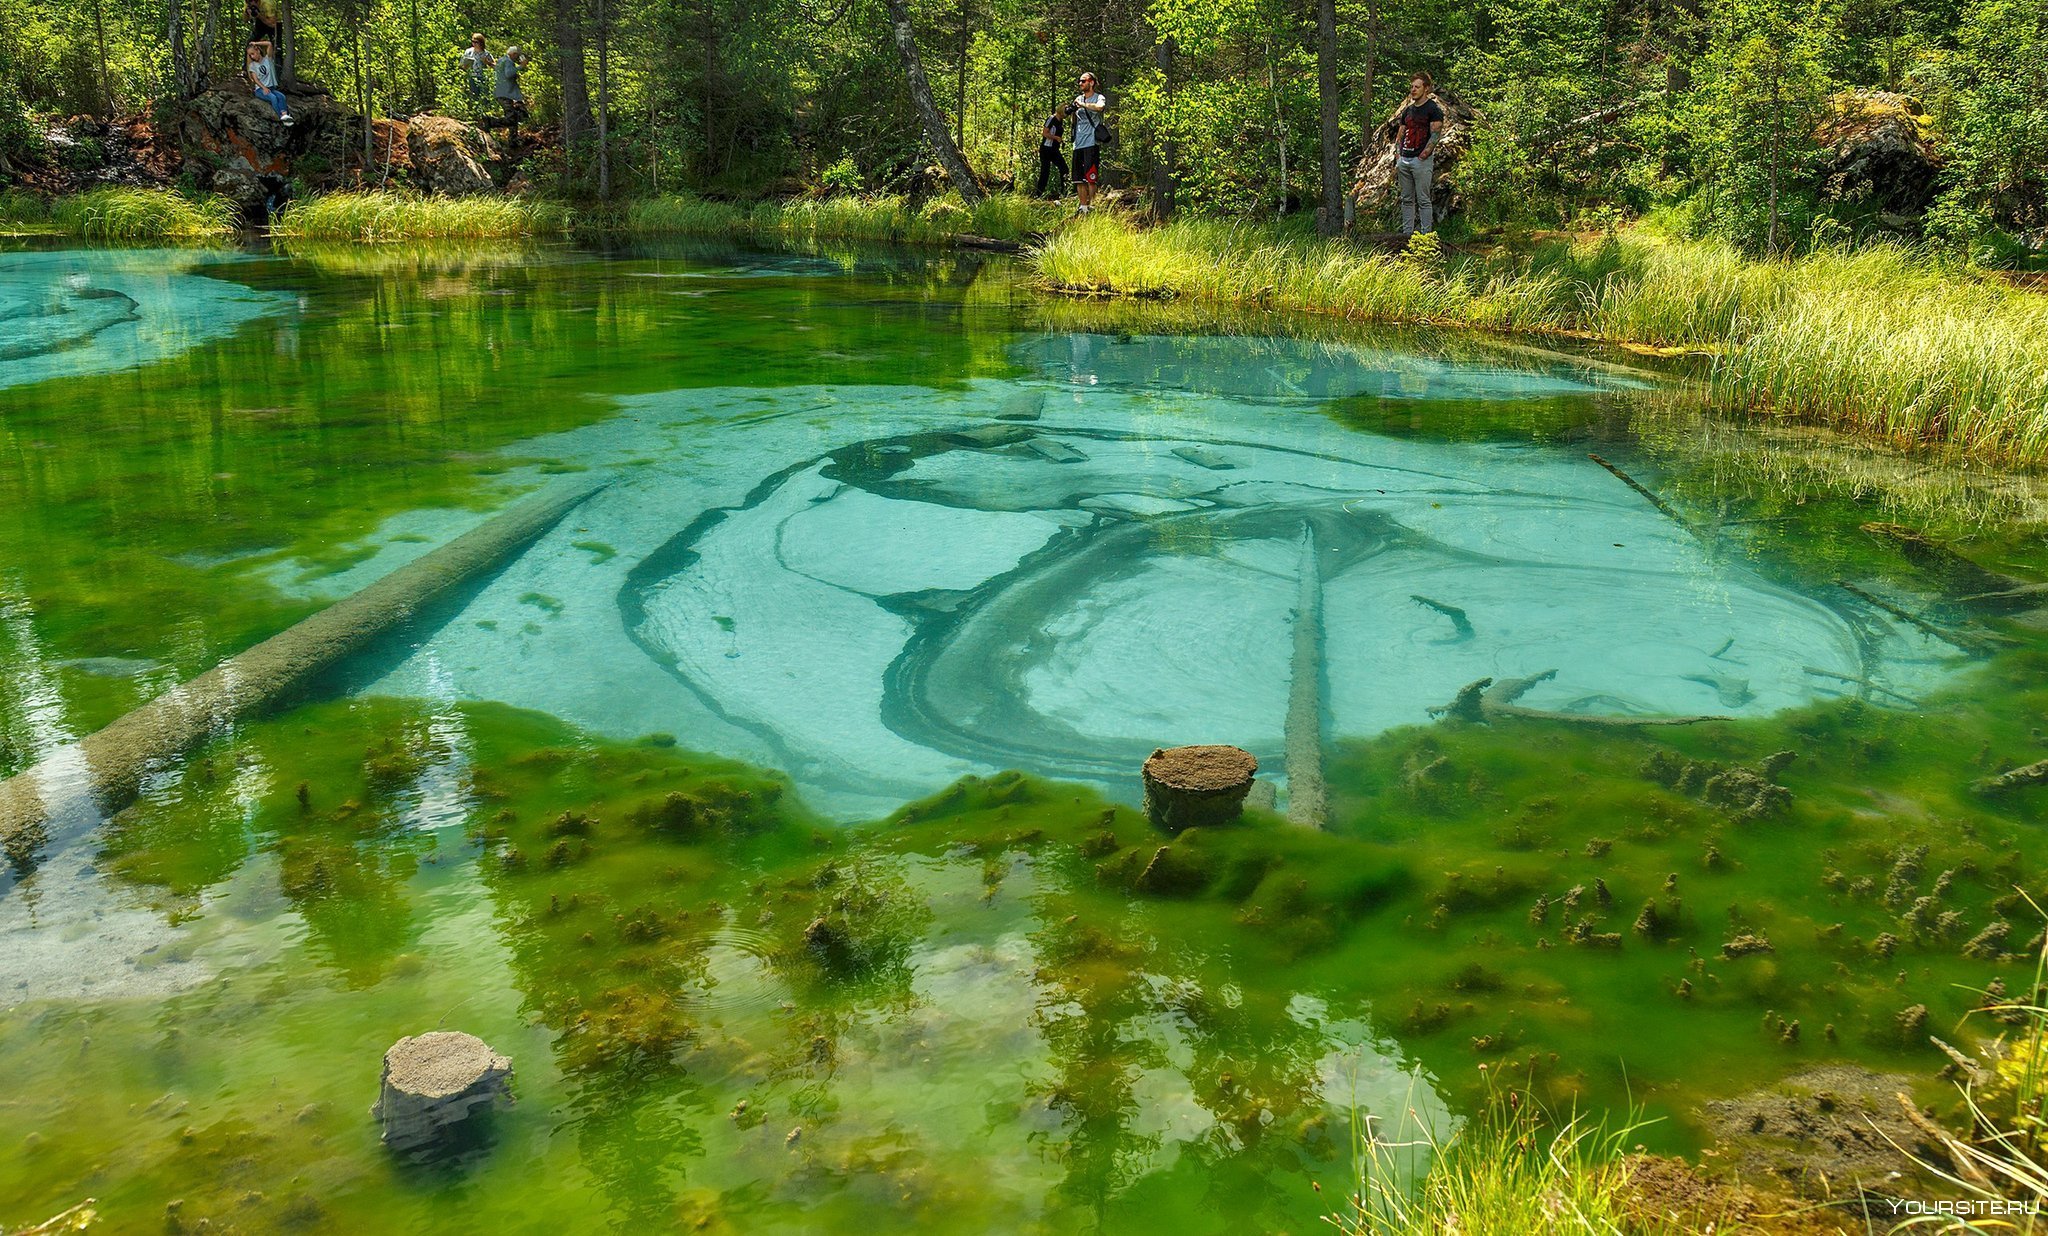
(1117, 1003)
(1092, 989)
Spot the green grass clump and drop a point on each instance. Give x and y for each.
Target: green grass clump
(19, 207)
(1885, 341)
(1508, 1170)
(897, 220)
(384, 216)
(141, 214)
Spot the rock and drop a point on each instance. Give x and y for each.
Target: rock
(435, 1082)
(1188, 787)
(231, 139)
(450, 157)
(1881, 156)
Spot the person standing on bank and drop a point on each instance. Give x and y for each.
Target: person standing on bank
(1089, 107)
(477, 63)
(1050, 159)
(1416, 127)
(507, 90)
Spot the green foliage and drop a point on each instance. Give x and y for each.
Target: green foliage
(1990, 99)
(377, 216)
(1764, 90)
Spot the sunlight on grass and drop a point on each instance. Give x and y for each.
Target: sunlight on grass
(378, 216)
(938, 221)
(141, 214)
(1510, 1170)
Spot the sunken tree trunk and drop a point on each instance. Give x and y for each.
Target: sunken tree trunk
(928, 113)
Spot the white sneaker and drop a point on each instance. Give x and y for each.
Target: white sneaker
(286, 119)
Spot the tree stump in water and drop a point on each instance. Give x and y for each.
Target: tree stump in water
(1190, 787)
(435, 1082)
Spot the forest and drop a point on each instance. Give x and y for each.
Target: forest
(1775, 125)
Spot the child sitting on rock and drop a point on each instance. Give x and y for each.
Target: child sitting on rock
(262, 70)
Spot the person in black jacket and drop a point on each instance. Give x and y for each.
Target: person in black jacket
(1050, 160)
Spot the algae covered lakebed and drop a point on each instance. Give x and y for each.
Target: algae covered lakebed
(776, 811)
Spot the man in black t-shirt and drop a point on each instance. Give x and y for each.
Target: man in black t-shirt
(1416, 127)
(1050, 159)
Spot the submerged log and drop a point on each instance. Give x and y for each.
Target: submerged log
(1192, 787)
(1486, 701)
(435, 1083)
(1963, 580)
(75, 788)
(1307, 799)
(2018, 778)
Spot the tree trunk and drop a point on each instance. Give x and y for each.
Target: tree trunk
(1279, 127)
(288, 45)
(99, 27)
(1371, 119)
(174, 34)
(960, 79)
(1777, 114)
(928, 113)
(574, 80)
(604, 102)
(209, 37)
(1330, 220)
(1166, 158)
(363, 96)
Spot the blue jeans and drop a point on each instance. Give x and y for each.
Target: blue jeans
(273, 97)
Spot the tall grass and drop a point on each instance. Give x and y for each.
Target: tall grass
(382, 216)
(896, 220)
(1884, 340)
(141, 214)
(1507, 1172)
(2000, 1171)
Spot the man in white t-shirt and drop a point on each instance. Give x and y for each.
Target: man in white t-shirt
(1089, 106)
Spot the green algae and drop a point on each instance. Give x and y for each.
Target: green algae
(686, 965)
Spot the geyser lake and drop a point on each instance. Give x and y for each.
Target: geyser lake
(893, 573)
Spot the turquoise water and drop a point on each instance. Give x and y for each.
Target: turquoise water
(868, 525)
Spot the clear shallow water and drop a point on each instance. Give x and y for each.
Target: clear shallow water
(877, 523)
(958, 593)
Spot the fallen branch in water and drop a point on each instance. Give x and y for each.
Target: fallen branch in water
(1487, 701)
(1967, 643)
(1459, 622)
(1663, 507)
(1865, 683)
(2017, 778)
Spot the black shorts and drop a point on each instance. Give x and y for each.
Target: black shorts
(1086, 160)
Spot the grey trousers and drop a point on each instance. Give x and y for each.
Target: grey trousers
(1412, 181)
